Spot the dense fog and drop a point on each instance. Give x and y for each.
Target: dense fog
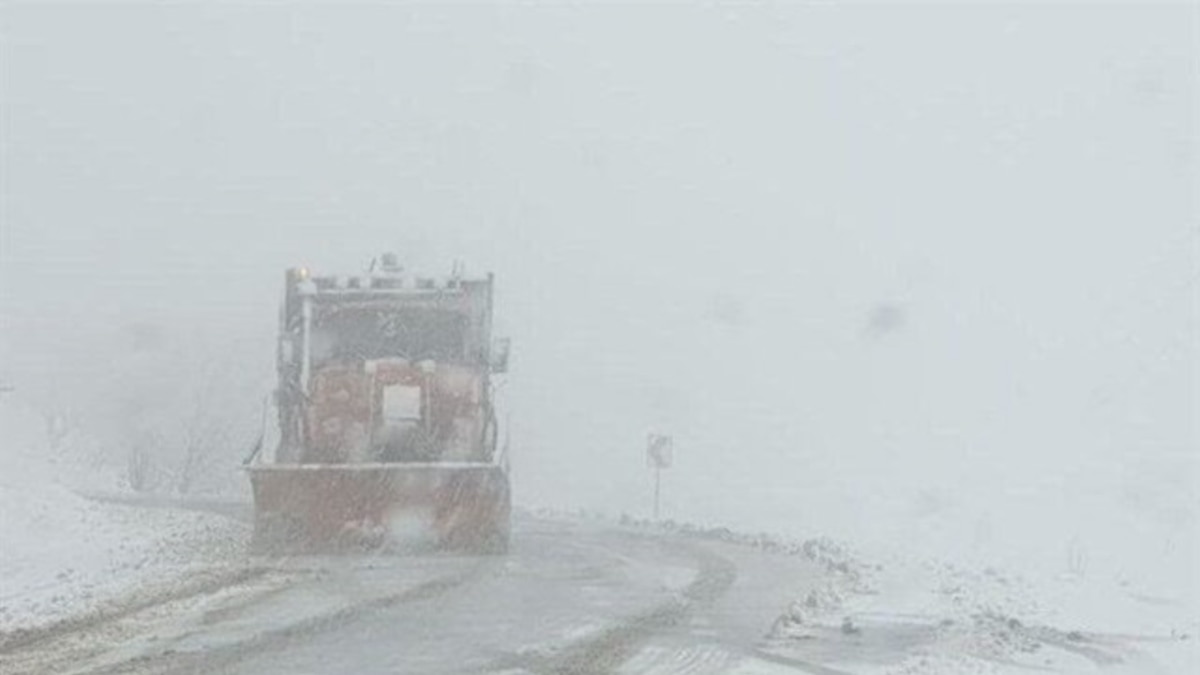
(922, 274)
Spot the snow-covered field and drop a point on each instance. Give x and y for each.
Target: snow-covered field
(907, 616)
(63, 556)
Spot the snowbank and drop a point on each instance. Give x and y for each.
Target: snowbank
(63, 555)
(924, 616)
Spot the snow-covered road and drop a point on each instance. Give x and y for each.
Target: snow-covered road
(574, 596)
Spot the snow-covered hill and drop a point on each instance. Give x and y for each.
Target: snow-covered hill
(62, 555)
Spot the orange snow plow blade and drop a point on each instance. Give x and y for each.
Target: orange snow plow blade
(398, 506)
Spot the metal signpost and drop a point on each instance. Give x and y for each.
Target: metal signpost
(658, 457)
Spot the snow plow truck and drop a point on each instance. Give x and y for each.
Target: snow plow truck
(388, 435)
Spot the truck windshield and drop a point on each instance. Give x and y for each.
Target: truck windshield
(361, 334)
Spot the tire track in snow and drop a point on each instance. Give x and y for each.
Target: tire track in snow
(217, 658)
(717, 656)
(24, 638)
(605, 652)
(63, 646)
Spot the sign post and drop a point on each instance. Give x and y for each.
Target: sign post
(659, 451)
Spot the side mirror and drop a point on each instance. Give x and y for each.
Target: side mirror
(500, 350)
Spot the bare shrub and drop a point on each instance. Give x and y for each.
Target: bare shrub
(1076, 557)
(139, 469)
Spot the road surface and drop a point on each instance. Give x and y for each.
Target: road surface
(571, 597)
